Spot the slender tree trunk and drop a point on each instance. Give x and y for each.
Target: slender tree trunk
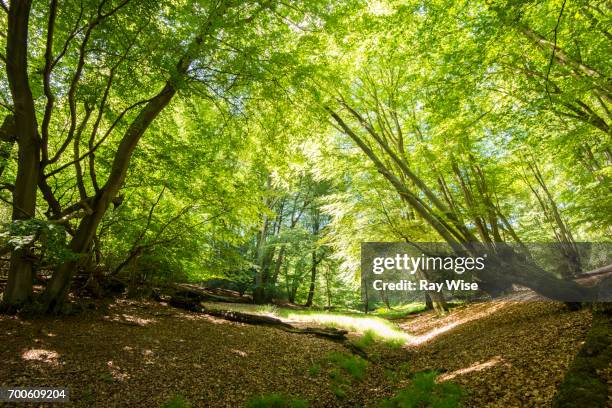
(259, 290)
(328, 291)
(313, 279)
(315, 260)
(428, 302)
(493, 280)
(436, 299)
(19, 286)
(277, 265)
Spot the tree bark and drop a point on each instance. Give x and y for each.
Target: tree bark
(433, 298)
(315, 261)
(19, 287)
(313, 279)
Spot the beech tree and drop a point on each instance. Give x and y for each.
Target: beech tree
(260, 142)
(88, 71)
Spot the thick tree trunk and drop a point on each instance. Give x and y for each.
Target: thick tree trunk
(19, 287)
(428, 302)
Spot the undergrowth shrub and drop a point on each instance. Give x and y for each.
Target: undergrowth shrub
(276, 400)
(424, 392)
(345, 369)
(355, 366)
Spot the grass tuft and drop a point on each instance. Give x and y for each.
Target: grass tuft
(276, 400)
(424, 392)
(355, 366)
(178, 401)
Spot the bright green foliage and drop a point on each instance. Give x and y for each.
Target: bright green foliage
(365, 341)
(424, 392)
(501, 109)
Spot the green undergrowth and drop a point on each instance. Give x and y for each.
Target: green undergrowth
(400, 311)
(354, 366)
(276, 400)
(343, 370)
(424, 392)
(177, 401)
(371, 338)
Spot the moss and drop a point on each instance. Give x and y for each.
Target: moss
(584, 385)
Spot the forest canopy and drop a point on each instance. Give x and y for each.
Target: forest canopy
(254, 145)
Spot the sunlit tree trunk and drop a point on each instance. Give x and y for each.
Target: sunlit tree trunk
(451, 230)
(315, 258)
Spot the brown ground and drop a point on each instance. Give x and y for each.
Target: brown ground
(139, 354)
(505, 354)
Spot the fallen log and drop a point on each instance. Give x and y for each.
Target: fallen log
(330, 333)
(204, 294)
(240, 317)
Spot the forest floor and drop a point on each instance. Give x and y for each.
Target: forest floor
(142, 353)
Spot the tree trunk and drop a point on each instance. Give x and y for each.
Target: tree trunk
(277, 266)
(315, 261)
(513, 268)
(313, 278)
(59, 284)
(259, 291)
(428, 302)
(19, 287)
(433, 298)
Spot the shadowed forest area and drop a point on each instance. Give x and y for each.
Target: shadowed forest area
(187, 190)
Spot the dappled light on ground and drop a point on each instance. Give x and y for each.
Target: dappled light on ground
(41, 355)
(503, 354)
(381, 328)
(477, 366)
(448, 322)
(360, 324)
(129, 319)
